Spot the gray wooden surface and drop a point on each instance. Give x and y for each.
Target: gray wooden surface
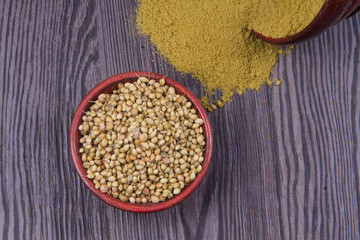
(285, 163)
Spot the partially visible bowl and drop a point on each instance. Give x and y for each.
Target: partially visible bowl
(332, 12)
(107, 86)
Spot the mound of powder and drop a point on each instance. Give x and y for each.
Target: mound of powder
(281, 18)
(211, 40)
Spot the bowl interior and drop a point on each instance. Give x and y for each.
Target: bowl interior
(331, 12)
(108, 86)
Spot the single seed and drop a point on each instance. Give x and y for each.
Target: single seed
(132, 199)
(180, 178)
(154, 199)
(129, 189)
(192, 176)
(112, 178)
(164, 180)
(103, 188)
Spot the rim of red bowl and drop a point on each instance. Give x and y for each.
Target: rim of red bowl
(109, 85)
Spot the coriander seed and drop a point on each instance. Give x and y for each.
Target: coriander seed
(143, 142)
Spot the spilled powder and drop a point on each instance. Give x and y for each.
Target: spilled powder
(211, 40)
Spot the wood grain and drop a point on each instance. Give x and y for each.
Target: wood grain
(285, 162)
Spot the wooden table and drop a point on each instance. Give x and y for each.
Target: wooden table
(285, 163)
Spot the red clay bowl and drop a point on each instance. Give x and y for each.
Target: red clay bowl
(332, 12)
(108, 86)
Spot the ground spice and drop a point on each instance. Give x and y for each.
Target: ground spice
(281, 18)
(212, 41)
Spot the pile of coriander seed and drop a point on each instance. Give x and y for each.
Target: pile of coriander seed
(143, 142)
